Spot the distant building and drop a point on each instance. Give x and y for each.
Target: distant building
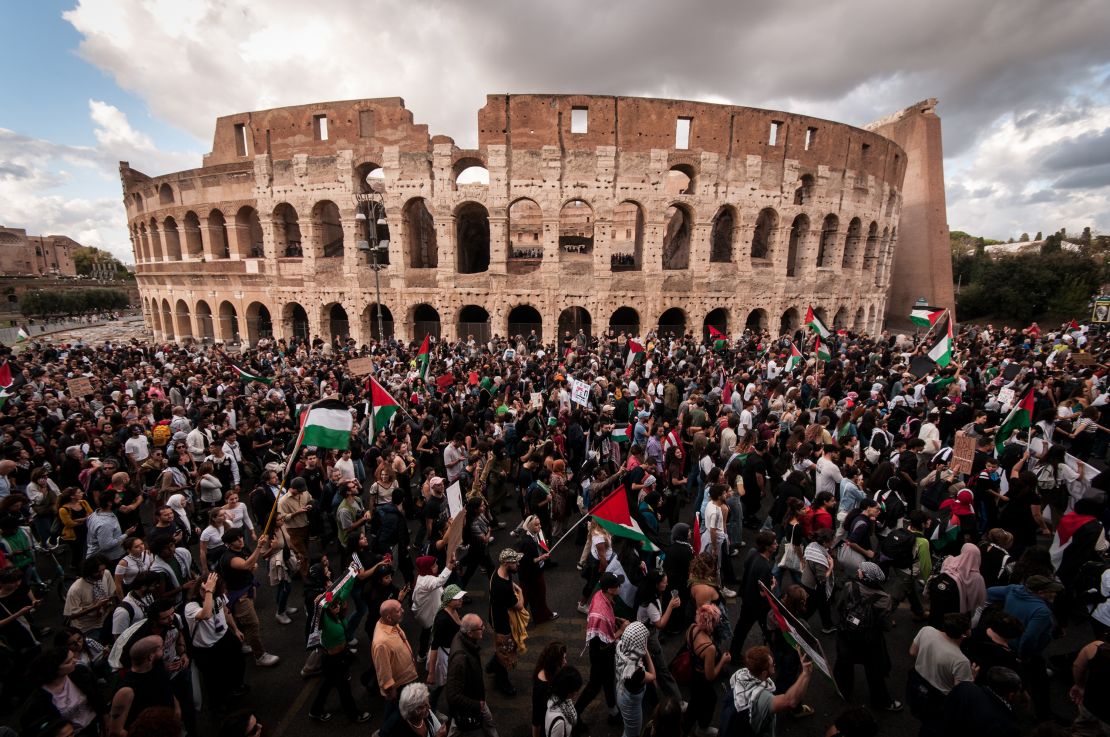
(36, 255)
(1012, 249)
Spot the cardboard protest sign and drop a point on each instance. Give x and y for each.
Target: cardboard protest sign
(80, 387)
(360, 366)
(963, 453)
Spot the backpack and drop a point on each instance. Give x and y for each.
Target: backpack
(898, 547)
(933, 494)
(107, 638)
(893, 506)
(857, 612)
(161, 435)
(944, 594)
(386, 528)
(931, 391)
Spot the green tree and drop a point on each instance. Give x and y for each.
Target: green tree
(1039, 237)
(1024, 237)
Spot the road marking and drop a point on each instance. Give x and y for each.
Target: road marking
(294, 708)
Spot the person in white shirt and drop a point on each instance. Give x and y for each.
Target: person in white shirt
(198, 440)
(137, 446)
(930, 433)
(828, 472)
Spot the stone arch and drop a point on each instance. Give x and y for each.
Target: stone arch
(370, 322)
(259, 323)
(335, 320)
(626, 243)
(625, 320)
(871, 327)
(473, 320)
(718, 319)
(287, 232)
(852, 243)
(425, 321)
(891, 202)
(826, 249)
(840, 319)
(156, 241)
(205, 328)
(679, 221)
(327, 225)
(165, 195)
(219, 244)
(573, 319)
(136, 244)
(294, 321)
(183, 324)
(470, 170)
(525, 235)
(799, 230)
(368, 174)
(146, 244)
(155, 317)
(756, 320)
(420, 234)
(522, 320)
(858, 323)
(681, 179)
(789, 321)
(805, 191)
(137, 201)
(576, 228)
(172, 239)
(248, 233)
(472, 244)
(764, 234)
(673, 322)
(228, 323)
(871, 253)
(167, 321)
(723, 235)
(194, 244)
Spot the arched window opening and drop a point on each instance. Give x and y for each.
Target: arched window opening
(525, 233)
(840, 320)
(420, 230)
(259, 324)
(173, 240)
(156, 241)
(523, 321)
(339, 326)
(789, 322)
(204, 322)
(680, 180)
(627, 238)
(217, 233)
(871, 253)
(625, 320)
(184, 325)
(329, 229)
(167, 321)
(765, 226)
(798, 231)
(676, 239)
(571, 321)
(287, 232)
(576, 228)
(295, 319)
(370, 322)
(805, 191)
(369, 177)
(756, 321)
(724, 226)
(471, 171)
(165, 195)
(137, 201)
(473, 323)
(716, 319)
(858, 323)
(248, 233)
(851, 244)
(827, 247)
(194, 243)
(672, 323)
(228, 323)
(425, 321)
(472, 238)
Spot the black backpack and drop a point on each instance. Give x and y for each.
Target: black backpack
(857, 611)
(107, 638)
(893, 508)
(898, 547)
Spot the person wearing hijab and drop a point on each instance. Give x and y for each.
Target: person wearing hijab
(634, 671)
(964, 570)
(176, 502)
(959, 523)
(533, 548)
(860, 639)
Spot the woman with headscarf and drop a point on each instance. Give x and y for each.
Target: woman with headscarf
(533, 546)
(177, 502)
(964, 570)
(560, 505)
(445, 626)
(959, 523)
(707, 665)
(860, 639)
(634, 671)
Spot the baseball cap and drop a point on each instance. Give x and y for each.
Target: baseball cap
(451, 593)
(508, 555)
(609, 580)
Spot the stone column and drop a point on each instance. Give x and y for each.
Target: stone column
(498, 243)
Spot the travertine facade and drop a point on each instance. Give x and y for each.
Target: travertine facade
(598, 211)
(36, 255)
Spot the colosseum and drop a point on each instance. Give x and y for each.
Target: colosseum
(574, 212)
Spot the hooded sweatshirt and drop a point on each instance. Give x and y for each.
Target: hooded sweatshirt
(1033, 611)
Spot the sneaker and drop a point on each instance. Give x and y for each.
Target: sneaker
(245, 649)
(828, 630)
(267, 660)
(353, 642)
(290, 610)
(728, 593)
(362, 718)
(283, 618)
(583, 609)
(322, 717)
(895, 706)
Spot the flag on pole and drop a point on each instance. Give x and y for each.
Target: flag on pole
(382, 408)
(720, 340)
(634, 349)
(620, 434)
(941, 350)
(424, 357)
(795, 359)
(822, 351)
(5, 375)
(612, 514)
(326, 424)
(247, 377)
(926, 316)
(21, 336)
(1020, 418)
(795, 633)
(815, 324)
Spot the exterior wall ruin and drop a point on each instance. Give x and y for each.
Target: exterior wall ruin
(36, 255)
(598, 212)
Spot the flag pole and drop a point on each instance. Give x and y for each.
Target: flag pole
(587, 515)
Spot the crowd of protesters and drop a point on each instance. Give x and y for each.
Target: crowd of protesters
(770, 503)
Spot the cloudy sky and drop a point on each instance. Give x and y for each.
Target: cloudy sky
(1024, 85)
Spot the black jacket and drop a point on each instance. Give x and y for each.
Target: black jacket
(466, 685)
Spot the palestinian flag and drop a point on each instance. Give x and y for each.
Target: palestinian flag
(1020, 418)
(720, 340)
(326, 424)
(1070, 527)
(621, 434)
(634, 349)
(822, 351)
(247, 377)
(795, 359)
(382, 408)
(3, 397)
(926, 316)
(946, 530)
(612, 514)
(814, 323)
(424, 357)
(21, 336)
(5, 375)
(940, 352)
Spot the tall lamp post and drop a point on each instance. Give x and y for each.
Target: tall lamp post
(376, 227)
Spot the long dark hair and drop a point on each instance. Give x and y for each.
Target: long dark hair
(550, 660)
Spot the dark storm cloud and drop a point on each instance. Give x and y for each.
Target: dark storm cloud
(1090, 178)
(1087, 150)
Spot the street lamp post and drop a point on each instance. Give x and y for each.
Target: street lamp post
(373, 218)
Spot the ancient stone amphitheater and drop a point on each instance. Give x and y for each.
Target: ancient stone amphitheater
(574, 212)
